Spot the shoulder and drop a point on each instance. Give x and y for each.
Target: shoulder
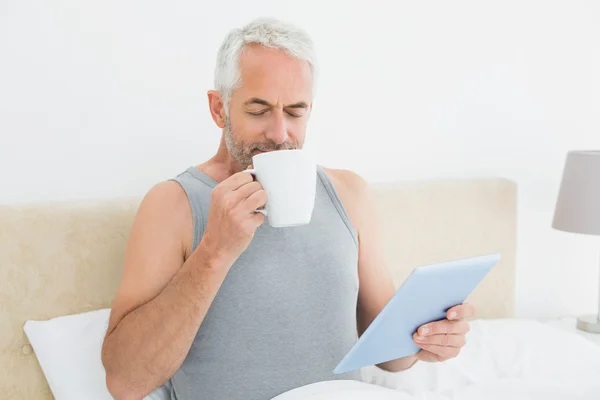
(347, 181)
(165, 196)
(353, 191)
(166, 208)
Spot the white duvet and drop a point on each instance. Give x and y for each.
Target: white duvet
(503, 359)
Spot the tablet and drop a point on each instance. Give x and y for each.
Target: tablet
(425, 296)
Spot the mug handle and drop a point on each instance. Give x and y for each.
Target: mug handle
(253, 173)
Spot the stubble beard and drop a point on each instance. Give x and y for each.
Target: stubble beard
(242, 152)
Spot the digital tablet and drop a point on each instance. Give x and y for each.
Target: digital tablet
(425, 296)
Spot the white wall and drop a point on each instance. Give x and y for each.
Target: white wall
(105, 99)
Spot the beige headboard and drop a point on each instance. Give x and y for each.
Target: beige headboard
(428, 222)
(63, 258)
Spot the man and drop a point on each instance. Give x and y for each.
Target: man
(216, 304)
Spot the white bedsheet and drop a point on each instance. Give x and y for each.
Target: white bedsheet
(504, 359)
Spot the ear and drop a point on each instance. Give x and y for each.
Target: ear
(217, 108)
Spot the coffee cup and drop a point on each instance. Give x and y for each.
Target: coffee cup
(289, 179)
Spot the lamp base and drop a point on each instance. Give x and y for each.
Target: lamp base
(589, 323)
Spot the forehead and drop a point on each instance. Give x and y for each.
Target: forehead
(274, 76)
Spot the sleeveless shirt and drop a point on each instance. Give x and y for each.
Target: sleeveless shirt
(285, 315)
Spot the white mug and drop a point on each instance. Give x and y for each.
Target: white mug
(289, 177)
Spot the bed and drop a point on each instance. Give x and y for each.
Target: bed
(504, 359)
(65, 258)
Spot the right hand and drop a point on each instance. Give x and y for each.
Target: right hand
(232, 220)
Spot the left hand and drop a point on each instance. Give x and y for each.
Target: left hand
(443, 340)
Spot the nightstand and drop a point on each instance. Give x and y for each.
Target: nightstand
(569, 324)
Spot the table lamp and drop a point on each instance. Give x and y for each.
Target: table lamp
(578, 208)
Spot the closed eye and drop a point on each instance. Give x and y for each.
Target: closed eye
(257, 112)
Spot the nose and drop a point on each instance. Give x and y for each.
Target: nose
(277, 132)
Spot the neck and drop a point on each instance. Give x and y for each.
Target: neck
(220, 166)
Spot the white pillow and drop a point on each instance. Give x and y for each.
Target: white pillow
(68, 349)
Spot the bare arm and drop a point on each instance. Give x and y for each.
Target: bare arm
(376, 286)
(150, 343)
(163, 299)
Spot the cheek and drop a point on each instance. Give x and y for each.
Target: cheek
(256, 125)
(297, 130)
(249, 128)
(259, 125)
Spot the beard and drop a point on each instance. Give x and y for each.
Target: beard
(242, 152)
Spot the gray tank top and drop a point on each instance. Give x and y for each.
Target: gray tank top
(285, 314)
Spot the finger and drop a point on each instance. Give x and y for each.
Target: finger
(441, 352)
(444, 326)
(429, 356)
(255, 201)
(246, 190)
(461, 311)
(236, 180)
(257, 219)
(426, 356)
(440, 340)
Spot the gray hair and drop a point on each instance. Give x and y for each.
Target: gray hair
(268, 32)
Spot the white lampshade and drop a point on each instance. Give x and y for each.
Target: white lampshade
(578, 204)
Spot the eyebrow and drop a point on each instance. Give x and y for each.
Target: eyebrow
(256, 100)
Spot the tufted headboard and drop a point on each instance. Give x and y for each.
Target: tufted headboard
(66, 257)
